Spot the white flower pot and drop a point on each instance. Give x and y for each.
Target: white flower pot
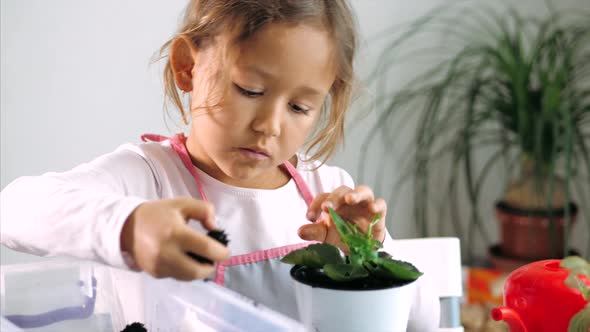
(328, 310)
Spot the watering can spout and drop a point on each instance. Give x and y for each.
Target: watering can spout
(511, 317)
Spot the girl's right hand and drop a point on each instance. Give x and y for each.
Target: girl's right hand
(157, 237)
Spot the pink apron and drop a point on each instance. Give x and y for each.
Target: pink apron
(259, 275)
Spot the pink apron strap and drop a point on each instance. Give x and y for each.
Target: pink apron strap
(256, 256)
(299, 182)
(177, 142)
(153, 138)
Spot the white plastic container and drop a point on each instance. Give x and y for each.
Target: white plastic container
(59, 295)
(327, 310)
(203, 306)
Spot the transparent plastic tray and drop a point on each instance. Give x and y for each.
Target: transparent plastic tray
(64, 295)
(59, 295)
(203, 306)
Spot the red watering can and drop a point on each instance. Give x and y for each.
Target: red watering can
(536, 298)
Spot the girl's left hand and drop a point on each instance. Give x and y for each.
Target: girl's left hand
(355, 205)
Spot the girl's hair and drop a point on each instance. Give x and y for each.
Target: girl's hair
(205, 20)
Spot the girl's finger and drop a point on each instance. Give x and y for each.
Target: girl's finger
(196, 209)
(378, 207)
(336, 198)
(183, 267)
(359, 194)
(313, 212)
(313, 232)
(202, 245)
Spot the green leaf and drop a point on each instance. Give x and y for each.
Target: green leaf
(345, 272)
(377, 244)
(572, 262)
(341, 225)
(396, 269)
(354, 241)
(384, 255)
(577, 266)
(575, 282)
(314, 256)
(580, 322)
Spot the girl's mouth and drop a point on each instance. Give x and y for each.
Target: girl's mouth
(253, 154)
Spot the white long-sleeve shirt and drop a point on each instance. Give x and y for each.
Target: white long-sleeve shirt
(81, 212)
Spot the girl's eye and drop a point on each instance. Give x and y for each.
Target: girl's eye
(298, 109)
(253, 94)
(248, 93)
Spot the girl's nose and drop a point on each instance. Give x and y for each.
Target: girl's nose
(268, 120)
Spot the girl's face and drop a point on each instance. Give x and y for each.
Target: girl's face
(279, 82)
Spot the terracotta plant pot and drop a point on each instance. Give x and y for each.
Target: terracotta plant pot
(345, 308)
(532, 234)
(504, 263)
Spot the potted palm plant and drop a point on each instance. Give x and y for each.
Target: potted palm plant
(365, 290)
(507, 99)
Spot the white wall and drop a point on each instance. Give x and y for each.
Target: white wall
(76, 82)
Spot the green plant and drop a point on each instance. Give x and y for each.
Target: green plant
(508, 96)
(363, 261)
(579, 278)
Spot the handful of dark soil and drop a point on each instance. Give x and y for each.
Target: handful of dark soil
(134, 327)
(218, 235)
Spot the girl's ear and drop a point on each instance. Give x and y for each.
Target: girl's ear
(182, 60)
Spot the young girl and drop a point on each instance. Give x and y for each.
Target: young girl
(263, 79)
